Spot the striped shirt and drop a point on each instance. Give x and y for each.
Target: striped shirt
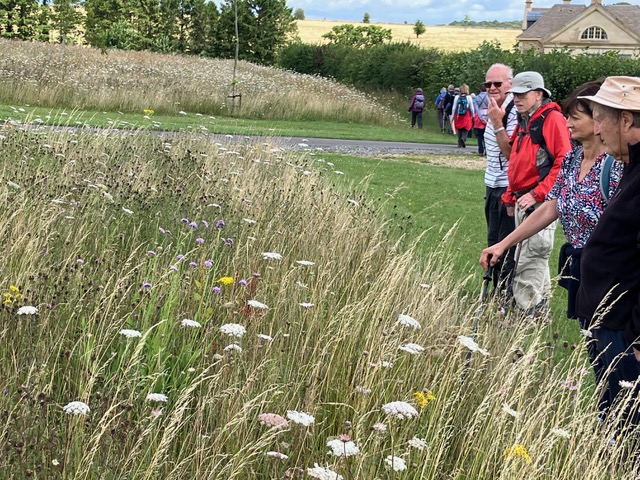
(494, 176)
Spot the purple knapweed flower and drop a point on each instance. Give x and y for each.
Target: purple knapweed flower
(173, 267)
(164, 232)
(216, 289)
(208, 263)
(199, 240)
(243, 282)
(193, 225)
(220, 224)
(184, 220)
(193, 264)
(205, 223)
(151, 253)
(228, 242)
(180, 258)
(147, 285)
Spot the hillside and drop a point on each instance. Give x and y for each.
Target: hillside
(441, 36)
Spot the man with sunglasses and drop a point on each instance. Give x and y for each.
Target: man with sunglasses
(538, 146)
(500, 126)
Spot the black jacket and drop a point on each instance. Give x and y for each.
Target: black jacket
(610, 267)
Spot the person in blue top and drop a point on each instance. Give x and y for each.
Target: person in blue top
(441, 103)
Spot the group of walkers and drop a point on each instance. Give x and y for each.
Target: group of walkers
(459, 113)
(581, 165)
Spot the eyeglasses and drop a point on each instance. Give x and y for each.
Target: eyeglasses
(495, 84)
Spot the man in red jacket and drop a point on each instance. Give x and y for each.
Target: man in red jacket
(538, 145)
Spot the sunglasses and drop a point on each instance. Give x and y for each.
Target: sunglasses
(495, 84)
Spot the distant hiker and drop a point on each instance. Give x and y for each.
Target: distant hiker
(416, 107)
(463, 111)
(502, 119)
(539, 143)
(440, 104)
(448, 105)
(481, 104)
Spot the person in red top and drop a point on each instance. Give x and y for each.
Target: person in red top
(463, 112)
(539, 143)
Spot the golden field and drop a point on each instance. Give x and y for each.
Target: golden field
(441, 36)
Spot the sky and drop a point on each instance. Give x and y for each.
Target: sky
(431, 12)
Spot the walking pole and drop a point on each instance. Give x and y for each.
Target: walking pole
(516, 256)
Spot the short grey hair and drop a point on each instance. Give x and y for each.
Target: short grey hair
(613, 114)
(503, 66)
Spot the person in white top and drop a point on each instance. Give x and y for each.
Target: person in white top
(497, 147)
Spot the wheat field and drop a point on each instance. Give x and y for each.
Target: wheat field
(438, 36)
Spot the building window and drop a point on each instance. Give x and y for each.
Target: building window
(594, 33)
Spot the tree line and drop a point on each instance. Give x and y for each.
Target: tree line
(196, 27)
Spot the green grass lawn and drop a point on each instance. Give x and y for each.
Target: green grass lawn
(427, 200)
(400, 132)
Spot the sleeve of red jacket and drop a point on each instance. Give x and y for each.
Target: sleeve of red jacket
(508, 198)
(556, 136)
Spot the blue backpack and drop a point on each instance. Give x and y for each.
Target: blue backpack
(463, 105)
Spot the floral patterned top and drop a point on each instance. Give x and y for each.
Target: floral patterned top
(580, 203)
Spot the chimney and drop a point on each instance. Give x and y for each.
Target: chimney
(527, 9)
(596, 2)
(566, 2)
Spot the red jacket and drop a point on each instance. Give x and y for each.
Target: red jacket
(522, 171)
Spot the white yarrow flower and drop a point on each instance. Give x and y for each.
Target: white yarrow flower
(271, 256)
(76, 408)
(323, 473)
(510, 411)
(27, 310)
(257, 304)
(157, 397)
(233, 330)
(418, 443)
(342, 449)
(412, 348)
(560, 432)
(396, 463)
(263, 336)
(278, 455)
(130, 333)
(305, 263)
(407, 321)
(187, 322)
(300, 418)
(400, 410)
(233, 347)
(471, 344)
(306, 304)
(626, 384)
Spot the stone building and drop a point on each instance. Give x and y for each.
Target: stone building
(593, 28)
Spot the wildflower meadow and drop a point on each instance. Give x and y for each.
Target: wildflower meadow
(185, 309)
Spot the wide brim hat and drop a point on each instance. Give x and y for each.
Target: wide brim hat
(621, 93)
(526, 81)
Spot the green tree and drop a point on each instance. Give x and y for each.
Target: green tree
(358, 36)
(204, 21)
(144, 24)
(44, 22)
(263, 25)
(66, 19)
(419, 28)
(101, 17)
(298, 14)
(19, 19)
(467, 20)
(366, 18)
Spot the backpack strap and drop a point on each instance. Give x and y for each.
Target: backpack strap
(605, 177)
(535, 132)
(507, 110)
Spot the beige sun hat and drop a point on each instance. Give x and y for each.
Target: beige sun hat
(621, 93)
(526, 81)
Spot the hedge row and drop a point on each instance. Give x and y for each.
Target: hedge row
(402, 67)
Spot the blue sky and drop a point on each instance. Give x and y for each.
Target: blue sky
(431, 12)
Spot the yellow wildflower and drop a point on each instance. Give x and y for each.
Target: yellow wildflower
(226, 281)
(518, 450)
(13, 288)
(148, 111)
(423, 399)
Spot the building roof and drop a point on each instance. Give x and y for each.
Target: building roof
(558, 16)
(553, 20)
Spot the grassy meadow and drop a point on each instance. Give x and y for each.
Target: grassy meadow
(443, 37)
(189, 309)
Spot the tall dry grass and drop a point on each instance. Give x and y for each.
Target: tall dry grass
(85, 78)
(105, 232)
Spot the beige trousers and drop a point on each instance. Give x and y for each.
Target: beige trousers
(532, 281)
